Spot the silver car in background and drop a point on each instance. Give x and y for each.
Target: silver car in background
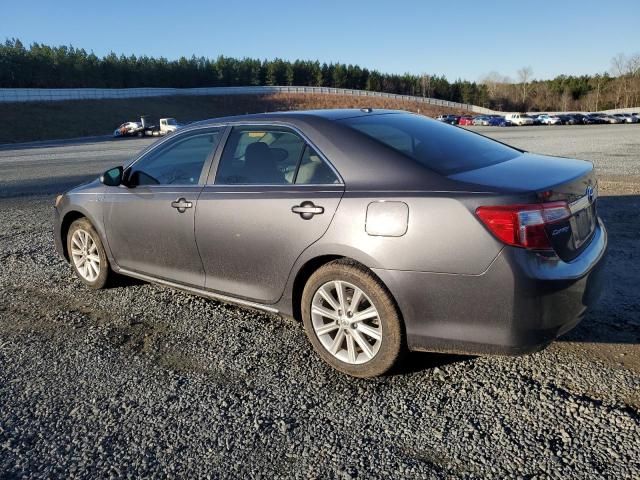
(382, 231)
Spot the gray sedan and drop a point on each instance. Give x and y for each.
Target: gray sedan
(382, 231)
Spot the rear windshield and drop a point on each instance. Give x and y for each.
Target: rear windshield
(443, 148)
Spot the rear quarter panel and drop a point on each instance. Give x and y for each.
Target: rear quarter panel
(443, 235)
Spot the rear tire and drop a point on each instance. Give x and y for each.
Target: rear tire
(87, 255)
(362, 339)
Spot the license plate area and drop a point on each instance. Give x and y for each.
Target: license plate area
(583, 223)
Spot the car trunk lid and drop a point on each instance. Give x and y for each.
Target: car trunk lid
(551, 179)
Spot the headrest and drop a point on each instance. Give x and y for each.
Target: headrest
(256, 151)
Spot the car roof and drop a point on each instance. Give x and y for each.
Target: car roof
(328, 114)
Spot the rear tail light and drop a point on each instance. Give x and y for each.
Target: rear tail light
(523, 225)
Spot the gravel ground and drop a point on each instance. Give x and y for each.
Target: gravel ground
(142, 381)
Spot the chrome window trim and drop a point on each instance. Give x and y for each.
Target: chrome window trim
(261, 192)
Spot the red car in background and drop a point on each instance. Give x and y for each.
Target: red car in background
(465, 120)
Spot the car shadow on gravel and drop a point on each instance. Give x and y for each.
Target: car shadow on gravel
(121, 281)
(610, 333)
(616, 316)
(416, 362)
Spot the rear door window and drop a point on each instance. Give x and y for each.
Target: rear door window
(270, 156)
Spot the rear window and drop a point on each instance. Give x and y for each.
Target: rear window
(440, 147)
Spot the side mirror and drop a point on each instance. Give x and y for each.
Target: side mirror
(113, 177)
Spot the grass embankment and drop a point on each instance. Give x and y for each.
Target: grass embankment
(23, 122)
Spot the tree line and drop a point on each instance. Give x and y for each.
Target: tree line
(43, 66)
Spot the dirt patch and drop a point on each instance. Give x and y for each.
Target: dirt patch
(615, 355)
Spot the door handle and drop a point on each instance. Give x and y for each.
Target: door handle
(307, 210)
(181, 204)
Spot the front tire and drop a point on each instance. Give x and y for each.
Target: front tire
(351, 320)
(87, 255)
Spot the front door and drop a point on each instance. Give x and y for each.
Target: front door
(150, 219)
(273, 196)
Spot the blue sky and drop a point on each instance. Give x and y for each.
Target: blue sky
(460, 39)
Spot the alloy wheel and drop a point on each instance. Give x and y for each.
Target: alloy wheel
(346, 322)
(84, 252)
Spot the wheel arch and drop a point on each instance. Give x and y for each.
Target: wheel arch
(302, 276)
(312, 265)
(71, 216)
(65, 225)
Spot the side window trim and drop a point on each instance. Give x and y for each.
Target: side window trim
(299, 163)
(212, 162)
(173, 140)
(210, 181)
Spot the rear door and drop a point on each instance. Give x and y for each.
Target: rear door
(150, 219)
(273, 195)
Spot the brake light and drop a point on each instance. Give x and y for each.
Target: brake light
(523, 225)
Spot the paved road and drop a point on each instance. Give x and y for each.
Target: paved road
(143, 381)
(50, 169)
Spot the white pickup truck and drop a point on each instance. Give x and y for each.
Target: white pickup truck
(168, 125)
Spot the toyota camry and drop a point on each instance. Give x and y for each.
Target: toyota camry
(381, 231)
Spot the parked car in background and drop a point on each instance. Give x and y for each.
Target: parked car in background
(627, 118)
(499, 121)
(450, 119)
(567, 119)
(481, 120)
(575, 119)
(491, 121)
(537, 120)
(465, 120)
(611, 119)
(595, 118)
(590, 120)
(579, 117)
(380, 230)
(519, 119)
(546, 119)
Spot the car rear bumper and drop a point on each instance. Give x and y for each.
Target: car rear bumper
(519, 305)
